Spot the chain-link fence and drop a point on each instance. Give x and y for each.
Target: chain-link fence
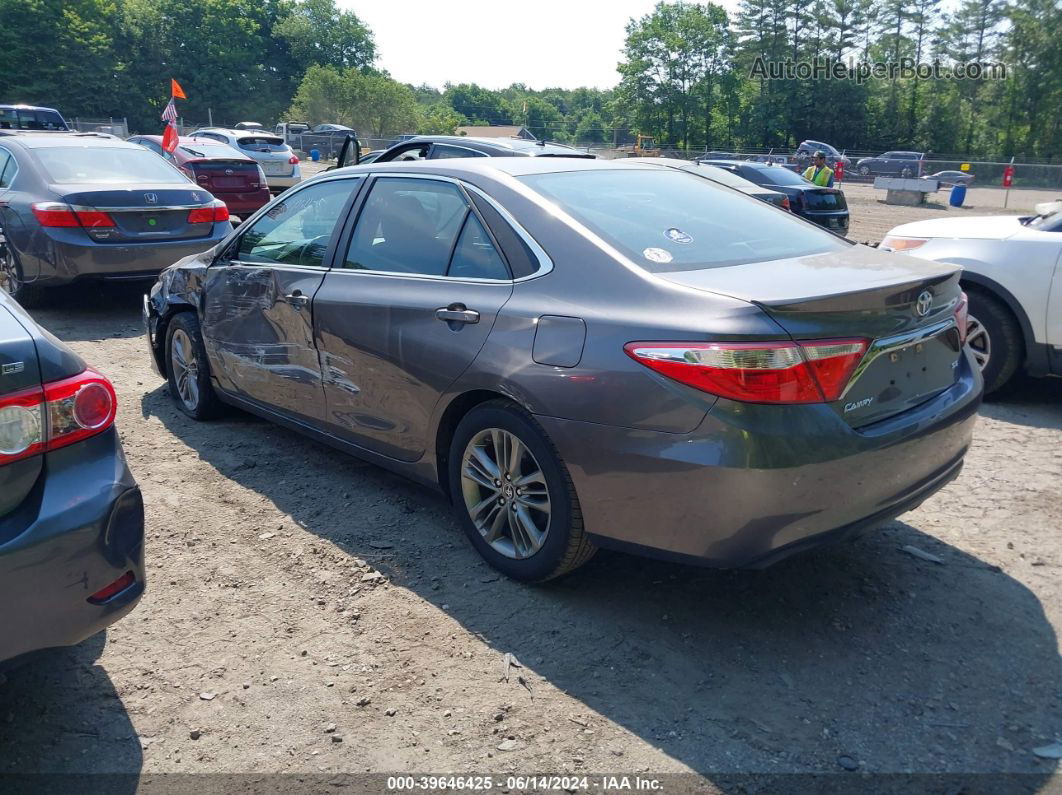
(119, 127)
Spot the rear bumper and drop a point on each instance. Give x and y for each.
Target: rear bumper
(755, 483)
(61, 261)
(79, 530)
(281, 182)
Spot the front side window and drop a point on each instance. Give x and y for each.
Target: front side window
(296, 230)
(666, 220)
(424, 227)
(112, 165)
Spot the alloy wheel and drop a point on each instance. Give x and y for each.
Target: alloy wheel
(505, 493)
(864, 171)
(9, 276)
(185, 367)
(978, 341)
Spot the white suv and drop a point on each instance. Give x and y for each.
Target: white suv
(1012, 272)
(276, 158)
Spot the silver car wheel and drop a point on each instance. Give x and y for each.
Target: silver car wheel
(978, 341)
(185, 368)
(9, 278)
(505, 493)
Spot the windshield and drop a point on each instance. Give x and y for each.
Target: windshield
(1047, 223)
(89, 165)
(204, 149)
(665, 220)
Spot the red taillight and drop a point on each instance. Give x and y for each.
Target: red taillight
(757, 372)
(293, 160)
(216, 212)
(115, 588)
(962, 317)
(60, 413)
(57, 215)
(785, 204)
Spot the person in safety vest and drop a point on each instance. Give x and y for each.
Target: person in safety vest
(820, 173)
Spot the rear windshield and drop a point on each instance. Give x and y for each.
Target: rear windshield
(26, 119)
(263, 143)
(106, 166)
(204, 149)
(673, 221)
(776, 175)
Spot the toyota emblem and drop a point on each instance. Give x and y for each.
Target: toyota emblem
(924, 303)
(151, 198)
(228, 171)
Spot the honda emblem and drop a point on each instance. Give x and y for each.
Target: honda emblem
(924, 303)
(151, 198)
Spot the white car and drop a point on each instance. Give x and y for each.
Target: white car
(1012, 273)
(278, 161)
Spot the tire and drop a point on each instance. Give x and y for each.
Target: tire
(190, 386)
(995, 339)
(555, 543)
(905, 172)
(864, 171)
(11, 280)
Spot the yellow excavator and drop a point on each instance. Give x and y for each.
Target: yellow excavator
(644, 146)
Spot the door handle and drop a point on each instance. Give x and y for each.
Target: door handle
(297, 299)
(457, 313)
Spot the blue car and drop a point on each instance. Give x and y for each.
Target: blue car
(71, 515)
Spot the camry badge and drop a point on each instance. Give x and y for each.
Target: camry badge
(924, 303)
(151, 198)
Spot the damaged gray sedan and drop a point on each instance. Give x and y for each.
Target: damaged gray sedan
(582, 354)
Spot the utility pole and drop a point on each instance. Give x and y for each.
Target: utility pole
(210, 118)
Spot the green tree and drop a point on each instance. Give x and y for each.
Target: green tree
(319, 33)
(439, 119)
(591, 128)
(477, 104)
(373, 104)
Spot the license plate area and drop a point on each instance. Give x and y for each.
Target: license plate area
(276, 169)
(900, 375)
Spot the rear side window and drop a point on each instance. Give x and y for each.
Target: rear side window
(441, 151)
(212, 150)
(7, 168)
(88, 165)
(666, 220)
(297, 230)
(425, 227)
(522, 260)
(30, 119)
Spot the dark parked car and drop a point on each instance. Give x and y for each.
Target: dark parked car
(950, 178)
(583, 353)
(825, 206)
(436, 147)
(71, 515)
(724, 177)
(230, 175)
(31, 117)
(805, 153)
(900, 164)
(81, 205)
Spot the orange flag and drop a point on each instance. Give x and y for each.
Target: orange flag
(169, 138)
(175, 90)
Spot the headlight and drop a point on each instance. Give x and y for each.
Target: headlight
(894, 243)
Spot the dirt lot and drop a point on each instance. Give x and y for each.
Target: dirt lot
(308, 613)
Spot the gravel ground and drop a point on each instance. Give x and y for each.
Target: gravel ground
(309, 613)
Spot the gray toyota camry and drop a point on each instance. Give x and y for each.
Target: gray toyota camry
(583, 354)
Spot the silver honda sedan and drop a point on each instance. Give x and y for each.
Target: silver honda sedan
(582, 354)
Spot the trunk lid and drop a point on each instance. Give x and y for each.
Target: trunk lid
(903, 306)
(225, 176)
(19, 370)
(145, 214)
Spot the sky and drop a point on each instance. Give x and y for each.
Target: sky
(541, 43)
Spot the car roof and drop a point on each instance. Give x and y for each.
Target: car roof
(491, 166)
(42, 140)
(516, 145)
(28, 107)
